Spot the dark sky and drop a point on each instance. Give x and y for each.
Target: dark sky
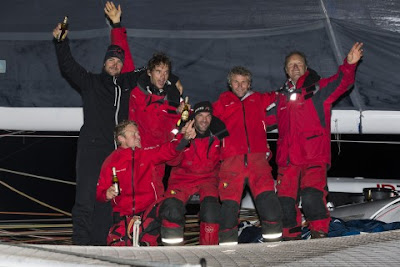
(55, 157)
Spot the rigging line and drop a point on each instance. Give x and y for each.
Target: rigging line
(354, 141)
(11, 134)
(38, 176)
(44, 234)
(35, 220)
(34, 199)
(47, 241)
(354, 95)
(369, 142)
(41, 135)
(39, 226)
(332, 33)
(30, 213)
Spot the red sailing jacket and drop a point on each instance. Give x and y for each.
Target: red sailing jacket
(137, 196)
(198, 164)
(154, 116)
(244, 121)
(119, 37)
(304, 123)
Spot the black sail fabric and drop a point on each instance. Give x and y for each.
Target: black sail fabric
(204, 40)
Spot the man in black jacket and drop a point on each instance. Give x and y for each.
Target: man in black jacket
(105, 98)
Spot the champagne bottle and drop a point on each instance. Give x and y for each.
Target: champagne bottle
(64, 28)
(185, 112)
(115, 181)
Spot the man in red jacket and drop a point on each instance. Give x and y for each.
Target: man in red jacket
(303, 155)
(195, 172)
(244, 157)
(133, 165)
(155, 101)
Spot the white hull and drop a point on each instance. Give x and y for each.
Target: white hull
(71, 119)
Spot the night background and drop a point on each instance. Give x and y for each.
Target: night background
(204, 43)
(55, 157)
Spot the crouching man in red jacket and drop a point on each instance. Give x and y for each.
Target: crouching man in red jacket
(195, 171)
(134, 165)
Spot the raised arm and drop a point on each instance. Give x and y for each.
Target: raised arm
(68, 66)
(118, 34)
(333, 87)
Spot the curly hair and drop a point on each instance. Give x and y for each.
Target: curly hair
(158, 59)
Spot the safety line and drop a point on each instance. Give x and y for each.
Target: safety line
(11, 134)
(30, 213)
(269, 139)
(354, 141)
(34, 199)
(38, 176)
(39, 226)
(39, 135)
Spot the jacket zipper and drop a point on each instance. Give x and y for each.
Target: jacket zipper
(247, 136)
(117, 103)
(117, 100)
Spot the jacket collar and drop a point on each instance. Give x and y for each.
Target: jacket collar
(148, 88)
(106, 77)
(309, 78)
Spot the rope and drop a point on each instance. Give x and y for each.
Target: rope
(269, 139)
(11, 134)
(355, 95)
(38, 177)
(29, 213)
(34, 199)
(39, 135)
(136, 225)
(24, 226)
(354, 141)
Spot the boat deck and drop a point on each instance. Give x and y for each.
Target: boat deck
(377, 249)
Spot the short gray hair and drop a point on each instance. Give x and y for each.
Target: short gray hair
(239, 70)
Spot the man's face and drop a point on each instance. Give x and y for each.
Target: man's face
(295, 67)
(113, 66)
(130, 137)
(240, 85)
(159, 75)
(202, 122)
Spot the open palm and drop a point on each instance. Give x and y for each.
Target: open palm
(355, 54)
